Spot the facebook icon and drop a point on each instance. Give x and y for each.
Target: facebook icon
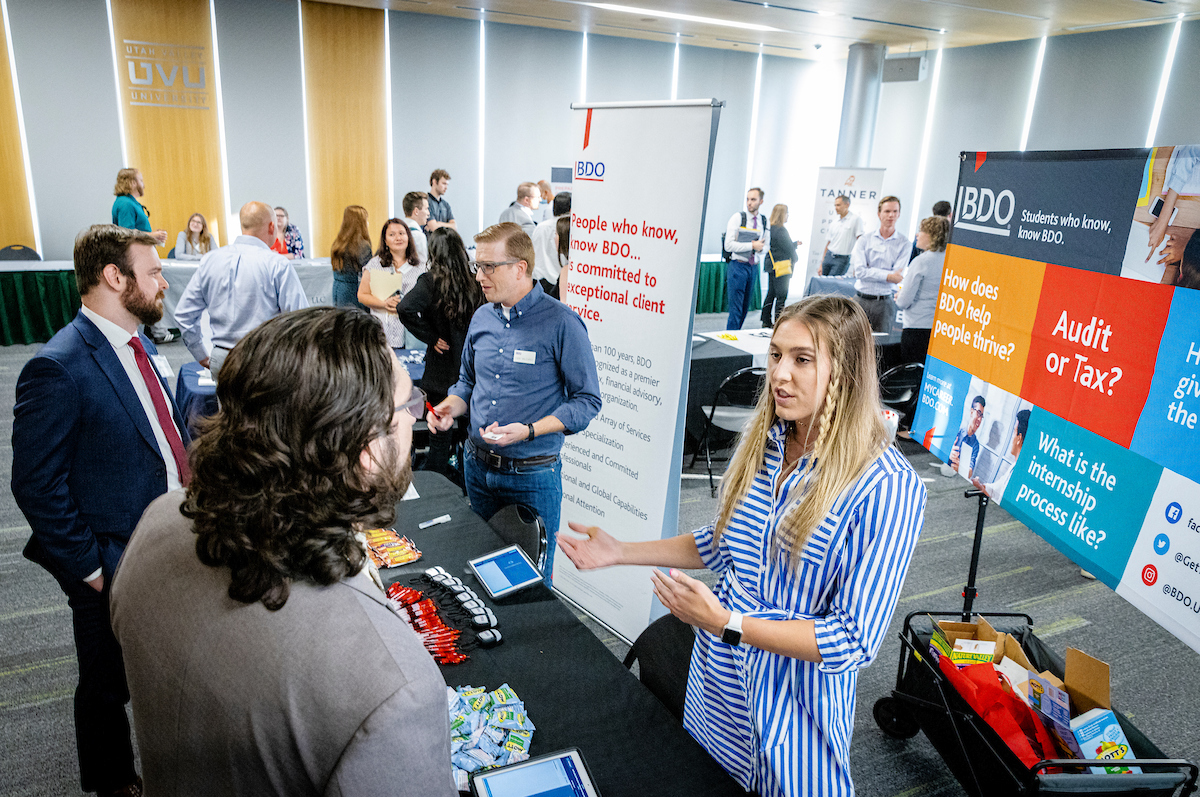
(1174, 512)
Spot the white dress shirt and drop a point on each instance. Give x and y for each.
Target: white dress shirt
(241, 286)
(420, 240)
(874, 257)
(546, 263)
(119, 339)
(743, 250)
(519, 214)
(843, 232)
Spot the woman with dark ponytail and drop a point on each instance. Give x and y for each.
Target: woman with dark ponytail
(438, 311)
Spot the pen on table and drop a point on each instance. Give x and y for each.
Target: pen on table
(434, 522)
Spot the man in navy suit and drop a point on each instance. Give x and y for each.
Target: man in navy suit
(96, 438)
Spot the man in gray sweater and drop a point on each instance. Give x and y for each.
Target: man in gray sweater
(261, 652)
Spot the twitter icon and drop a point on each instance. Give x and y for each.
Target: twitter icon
(1162, 544)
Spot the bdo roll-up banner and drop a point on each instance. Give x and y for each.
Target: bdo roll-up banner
(1062, 369)
(632, 278)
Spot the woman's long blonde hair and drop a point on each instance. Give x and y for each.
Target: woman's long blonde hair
(851, 433)
(202, 242)
(351, 236)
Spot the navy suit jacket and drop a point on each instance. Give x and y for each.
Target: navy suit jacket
(85, 461)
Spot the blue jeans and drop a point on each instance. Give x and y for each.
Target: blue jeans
(540, 487)
(739, 279)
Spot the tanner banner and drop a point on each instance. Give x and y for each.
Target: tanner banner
(862, 187)
(1062, 369)
(632, 277)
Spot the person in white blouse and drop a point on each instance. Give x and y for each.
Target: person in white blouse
(397, 254)
(844, 231)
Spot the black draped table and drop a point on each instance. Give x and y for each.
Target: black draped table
(575, 690)
(887, 346)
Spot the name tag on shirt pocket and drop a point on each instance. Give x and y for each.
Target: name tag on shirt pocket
(525, 357)
(164, 367)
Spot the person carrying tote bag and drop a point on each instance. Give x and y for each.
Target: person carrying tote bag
(778, 266)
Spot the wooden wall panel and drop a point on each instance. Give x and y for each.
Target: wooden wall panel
(347, 116)
(16, 217)
(168, 97)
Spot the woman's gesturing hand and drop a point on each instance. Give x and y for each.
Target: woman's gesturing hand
(690, 600)
(600, 549)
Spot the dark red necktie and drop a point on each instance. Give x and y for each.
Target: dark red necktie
(164, 414)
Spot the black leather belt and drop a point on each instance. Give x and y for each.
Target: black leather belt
(868, 298)
(497, 462)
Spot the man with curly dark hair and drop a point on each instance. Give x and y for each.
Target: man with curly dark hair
(261, 653)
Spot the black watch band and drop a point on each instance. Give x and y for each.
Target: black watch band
(532, 432)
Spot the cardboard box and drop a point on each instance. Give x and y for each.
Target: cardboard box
(1069, 705)
(982, 630)
(1100, 736)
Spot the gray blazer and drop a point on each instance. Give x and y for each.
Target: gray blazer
(331, 695)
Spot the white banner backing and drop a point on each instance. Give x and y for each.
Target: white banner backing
(632, 278)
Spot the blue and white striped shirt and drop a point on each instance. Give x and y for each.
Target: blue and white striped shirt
(782, 726)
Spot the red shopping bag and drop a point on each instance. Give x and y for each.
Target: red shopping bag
(1007, 714)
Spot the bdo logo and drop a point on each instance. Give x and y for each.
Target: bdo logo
(982, 210)
(589, 170)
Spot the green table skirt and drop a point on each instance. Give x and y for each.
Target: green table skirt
(36, 304)
(711, 296)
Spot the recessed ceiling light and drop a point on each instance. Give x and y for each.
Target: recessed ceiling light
(683, 17)
(822, 12)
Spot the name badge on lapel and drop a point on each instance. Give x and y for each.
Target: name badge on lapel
(526, 357)
(163, 366)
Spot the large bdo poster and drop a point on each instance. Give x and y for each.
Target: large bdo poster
(1062, 375)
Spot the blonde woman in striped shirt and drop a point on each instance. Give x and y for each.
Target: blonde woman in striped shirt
(816, 527)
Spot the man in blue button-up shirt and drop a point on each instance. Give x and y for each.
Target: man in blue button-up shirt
(528, 376)
(241, 286)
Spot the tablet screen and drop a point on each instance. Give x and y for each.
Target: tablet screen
(505, 571)
(559, 776)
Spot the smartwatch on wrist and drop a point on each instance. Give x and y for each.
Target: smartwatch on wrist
(732, 633)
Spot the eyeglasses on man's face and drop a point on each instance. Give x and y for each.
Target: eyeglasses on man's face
(487, 268)
(415, 406)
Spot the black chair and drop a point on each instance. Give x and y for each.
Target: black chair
(664, 653)
(899, 389)
(521, 525)
(18, 252)
(733, 405)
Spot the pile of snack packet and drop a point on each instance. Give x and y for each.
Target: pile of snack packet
(388, 549)
(487, 729)
(420, 612)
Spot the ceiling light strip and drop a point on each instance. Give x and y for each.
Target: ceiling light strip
(482, 87)
(897, 24)
(675, 72)
(308, 189)
(12, 70)
(583, 71)
(651, 12)
(112, 37)
(387, 113)
(1033, 88)
(221, 143)
(924, 159)
(754, 120)
(1162, 83)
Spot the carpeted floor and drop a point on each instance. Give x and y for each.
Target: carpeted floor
(1155, 677)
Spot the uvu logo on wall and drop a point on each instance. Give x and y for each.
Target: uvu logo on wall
(166, 75)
